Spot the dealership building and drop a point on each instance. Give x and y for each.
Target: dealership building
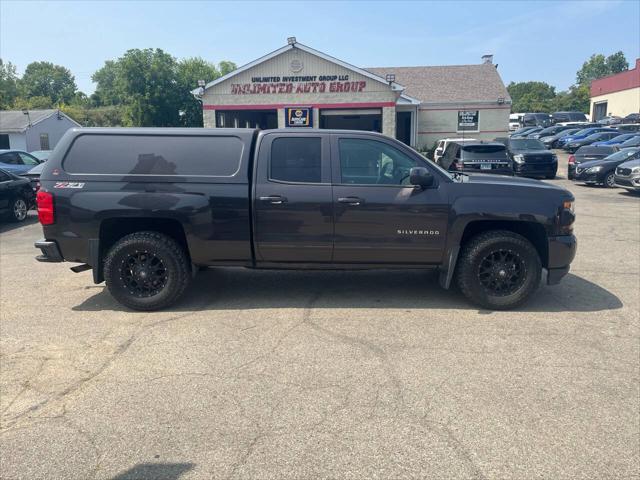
(617, 94)
(299, 87)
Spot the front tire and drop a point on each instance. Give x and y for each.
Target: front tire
(147, 271)
(609, 180)
(18, 209)
(498, 270)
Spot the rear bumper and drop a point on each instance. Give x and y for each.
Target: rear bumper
(562, 251)
(50, 251)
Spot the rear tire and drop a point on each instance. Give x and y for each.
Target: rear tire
(147, 271)
(498, 270)
(18, 209)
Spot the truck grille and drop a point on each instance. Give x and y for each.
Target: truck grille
(537, 158)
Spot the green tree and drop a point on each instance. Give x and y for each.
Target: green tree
(106, 92)
(44, 79)
(190, 70)
(8, 84)
(576, 99)
(226, 66)
(531, 96)
(599, 66)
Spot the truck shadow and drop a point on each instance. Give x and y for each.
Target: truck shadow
(241, 289)
(154, 471)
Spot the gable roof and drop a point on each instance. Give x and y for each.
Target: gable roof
(16, 121)
(450, 84)
(394, 86)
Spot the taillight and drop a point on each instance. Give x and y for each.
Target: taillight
(45, 207)
(572, 160)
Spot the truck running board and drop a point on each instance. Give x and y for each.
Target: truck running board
(81, 268)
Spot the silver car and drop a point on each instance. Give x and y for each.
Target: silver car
(628, 175)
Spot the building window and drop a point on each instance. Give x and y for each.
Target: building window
(44, 141)
(4, 141)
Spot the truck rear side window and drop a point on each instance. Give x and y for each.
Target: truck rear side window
(215, 156)
(296, 160)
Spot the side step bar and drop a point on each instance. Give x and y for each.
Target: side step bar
(81, 268)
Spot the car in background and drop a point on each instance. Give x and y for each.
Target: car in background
(628, 175)
(594, 137)
(527, 133)
(552, 140)
(610, 120)
(628, 127)
(618, 139)
(557, 117)
(522, 131)
(441, 146)
(17, 161)
(587, 154)
(34, 176)
(632, 118)
(16, 196)
(632, 142)
(530, 158)
(514, 121)
(584, 133)
(42, 155)
(602, 172)
(536, 119)
(477, 157)
(547, 132)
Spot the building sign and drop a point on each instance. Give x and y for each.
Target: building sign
(298, 116)
(298, 84)
(468, 120)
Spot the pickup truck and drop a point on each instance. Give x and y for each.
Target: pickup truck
(145, 209)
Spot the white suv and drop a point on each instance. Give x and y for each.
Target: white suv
(441, 146)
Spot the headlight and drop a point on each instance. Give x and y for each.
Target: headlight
(594, 169)
(518, 158)
(635, 170)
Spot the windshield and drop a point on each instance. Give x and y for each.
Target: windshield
(526, 144)
(632, 142)
(624, 154)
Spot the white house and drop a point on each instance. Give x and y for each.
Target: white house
(31, 130)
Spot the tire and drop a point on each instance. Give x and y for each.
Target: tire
(147, 271)
(550, 177)
(18, 209)
(505, 251)
(609, 180)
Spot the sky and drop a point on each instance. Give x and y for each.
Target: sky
(541, 40)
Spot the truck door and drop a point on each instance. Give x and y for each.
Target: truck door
(379, 216)
(293, 203)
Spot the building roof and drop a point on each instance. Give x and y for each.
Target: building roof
(617, 82)
(16, 121)
(449, 84)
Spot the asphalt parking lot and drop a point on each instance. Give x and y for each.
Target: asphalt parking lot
(326, 375)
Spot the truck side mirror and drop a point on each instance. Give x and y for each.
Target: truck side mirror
(420, 176)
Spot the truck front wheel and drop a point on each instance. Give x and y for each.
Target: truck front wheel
(498, 269)
(146, 271)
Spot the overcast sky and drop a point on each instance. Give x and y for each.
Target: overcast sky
(540, 40)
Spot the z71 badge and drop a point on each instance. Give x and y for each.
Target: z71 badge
(69, 185)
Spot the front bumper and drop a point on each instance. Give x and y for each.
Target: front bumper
(588, 177)
(630, 183)
(535, 170)
(50, 251)
(562, 251)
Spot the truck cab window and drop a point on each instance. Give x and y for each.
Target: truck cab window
(369, 162)
(296, 160)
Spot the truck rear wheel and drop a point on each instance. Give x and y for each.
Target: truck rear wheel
(146, 271)
(498, 270)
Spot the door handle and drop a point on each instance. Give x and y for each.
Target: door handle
(274, 199)
(355, 201)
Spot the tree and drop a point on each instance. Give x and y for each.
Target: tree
(531, 96)
(8, 84)
(599, 66)
(576, 99)
(190, 70)
(44, 79)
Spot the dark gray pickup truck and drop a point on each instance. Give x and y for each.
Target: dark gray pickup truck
(144, 208)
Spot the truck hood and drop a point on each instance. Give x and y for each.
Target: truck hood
(498, 180)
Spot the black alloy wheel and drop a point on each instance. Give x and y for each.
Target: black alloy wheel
(502, 272)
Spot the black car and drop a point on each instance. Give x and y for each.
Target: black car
(574, 145)
(549, 131)
(531, 158)
(16, 196)
(34, 176)
(632, 118)
(477, 157)
(558, 117)
(603, 171)
(524, 130)
(525, 134)
(537, 119)
(587, 154)
(552, 140)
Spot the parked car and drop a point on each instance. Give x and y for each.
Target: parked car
(531, 158)
(610, 120)
(536, 119)
(41, 155)
(281, 199)
(442, 145)
(17, 161)
(628, 175)
(16, 196)
(628, 127)
(632, 142)
(549, 131)
(34, 176)
(617, 140)
(557, 117)
(523, 130)
(527, 133)
(603, 171)
(632, 118)
(514, 121)
(584, 133)
(586, 154)
(477, 157)
(552, 141)
(594, 137)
